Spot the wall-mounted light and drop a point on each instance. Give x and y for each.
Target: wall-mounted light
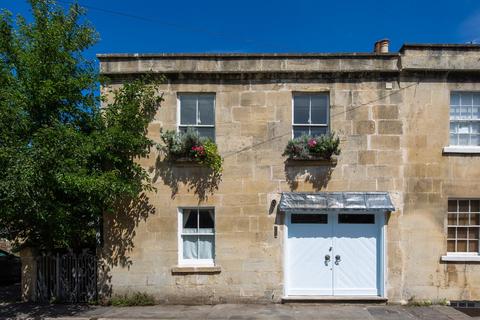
(273, 204)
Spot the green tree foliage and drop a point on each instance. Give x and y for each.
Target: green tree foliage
(64, 160)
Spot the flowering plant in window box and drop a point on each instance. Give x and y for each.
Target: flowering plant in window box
(190, 147)
(321, 147)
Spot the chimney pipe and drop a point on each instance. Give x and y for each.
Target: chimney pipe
(381, 46)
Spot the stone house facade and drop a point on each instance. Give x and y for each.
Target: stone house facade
(409, 128)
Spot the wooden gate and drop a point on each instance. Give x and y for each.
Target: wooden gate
(66, 278)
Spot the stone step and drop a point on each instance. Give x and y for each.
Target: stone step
(334, 299)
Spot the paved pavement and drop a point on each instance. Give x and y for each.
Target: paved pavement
(232, 312)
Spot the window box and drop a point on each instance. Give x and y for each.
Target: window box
(306, 148)
(188, 148)
(188, 162)
(313, 161)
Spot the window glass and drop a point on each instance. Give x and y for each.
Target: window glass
(206, 223)
(317, 131)
(455, 99)
(454, 112)
(473, 246)
(188, 110)
(476, 112)
(301, 109)
(463, 225)
(462, 246)
(475, 140)
(310, 114)
(206, 247)
(299, 131)
(465, 118)
(198, 234)
(197, 111)
(190, 222)
(476, 100)
(309, 218)
(453, 127)
(452, 233)
(319, 109)
(463, 205)
(452, 219)
(206, 112)
(466, 99)
(475, 219)
(190, 247)
(206, 132)
(475, 206)
(463, 139)
(356, 218)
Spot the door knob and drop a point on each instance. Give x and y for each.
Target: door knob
(337, 259)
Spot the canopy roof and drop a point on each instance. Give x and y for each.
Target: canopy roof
(335, 201)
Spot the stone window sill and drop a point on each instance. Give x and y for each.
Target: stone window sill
(461, 149)
(179, 270)
(461, 258)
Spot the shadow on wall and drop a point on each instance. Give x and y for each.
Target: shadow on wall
(119, 231)
(317, 175)
(197, 178)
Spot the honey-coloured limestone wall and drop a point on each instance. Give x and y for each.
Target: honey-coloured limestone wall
(391, 140)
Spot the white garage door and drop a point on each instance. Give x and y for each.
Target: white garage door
(334, 254)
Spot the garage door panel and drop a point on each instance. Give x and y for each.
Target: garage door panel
(356, 243)
(307, 245)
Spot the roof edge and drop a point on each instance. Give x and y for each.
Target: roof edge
(101, 56)
(439, 46)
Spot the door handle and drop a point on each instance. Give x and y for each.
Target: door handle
(327, 259)
(337, 259)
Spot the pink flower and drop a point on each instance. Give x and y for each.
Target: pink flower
(312, 143)
(199, 151)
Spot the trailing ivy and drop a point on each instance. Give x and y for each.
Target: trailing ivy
(311, 148)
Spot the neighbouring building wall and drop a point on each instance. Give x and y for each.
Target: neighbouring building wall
(391, 140)
(431, 178)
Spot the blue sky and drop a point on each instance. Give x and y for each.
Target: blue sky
(273, 26)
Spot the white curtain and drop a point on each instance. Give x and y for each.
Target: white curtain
(206, 247)
(190, 247)
(197, 246)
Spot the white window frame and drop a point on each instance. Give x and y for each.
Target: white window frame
(197, 125)
(194, 262)
(458, 148)
(458, 255)
(327, 125)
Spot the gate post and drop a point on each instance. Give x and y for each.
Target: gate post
(57, 277)
(29, 274)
